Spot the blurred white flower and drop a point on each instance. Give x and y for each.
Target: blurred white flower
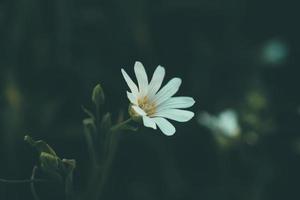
(154, 105)
(274, 52)
(226, 123)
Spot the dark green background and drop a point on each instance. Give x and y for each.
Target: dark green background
(53, 52)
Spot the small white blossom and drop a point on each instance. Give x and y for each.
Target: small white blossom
(225, 123)
(275, 52)
(155, 105)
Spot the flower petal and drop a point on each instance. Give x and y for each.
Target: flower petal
(176, 114)
(156, 81)
(165, 126)
(141, 77)
(139, 111)
(167, 91)
(132, 98)
(130, 83)
(149, 122)
(176, 102)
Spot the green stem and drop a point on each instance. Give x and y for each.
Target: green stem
(119, 126)
(69, 187)
(90, 145)
(95, 190)
(33, 191)
(31, 180)
(22, 181)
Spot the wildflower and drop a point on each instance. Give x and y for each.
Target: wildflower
(275, 52)
(225, 123)
(155, 106)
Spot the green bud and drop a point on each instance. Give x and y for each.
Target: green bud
(89, 126)
(69, 165)
(98, 96)
(51, 165)
(88, 122)
(49, 162)
(88, 112)
(40, 145)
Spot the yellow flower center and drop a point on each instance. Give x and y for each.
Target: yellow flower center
(147, 106)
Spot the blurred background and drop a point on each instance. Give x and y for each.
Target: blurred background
(237, 58)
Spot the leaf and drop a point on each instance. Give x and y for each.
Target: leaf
(88, 112)
(106, 122)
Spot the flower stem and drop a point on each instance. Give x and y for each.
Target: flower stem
(121, 125)
(102, 173)
(33, 191)
(90, 145)
(22, 181)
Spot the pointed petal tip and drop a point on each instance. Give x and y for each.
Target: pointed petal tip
(129, 82)
(124, 73)
(154, 127)
(193, 101)
(192, 115)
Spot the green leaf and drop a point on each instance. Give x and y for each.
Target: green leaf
(88, 112)
(106, 122)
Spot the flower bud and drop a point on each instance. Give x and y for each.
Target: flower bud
(98, 95)
(49, 162)
(69, 165)
(40, 145)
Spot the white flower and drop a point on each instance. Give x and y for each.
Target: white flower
(155, 106)
(225, 123)
(275, 52)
